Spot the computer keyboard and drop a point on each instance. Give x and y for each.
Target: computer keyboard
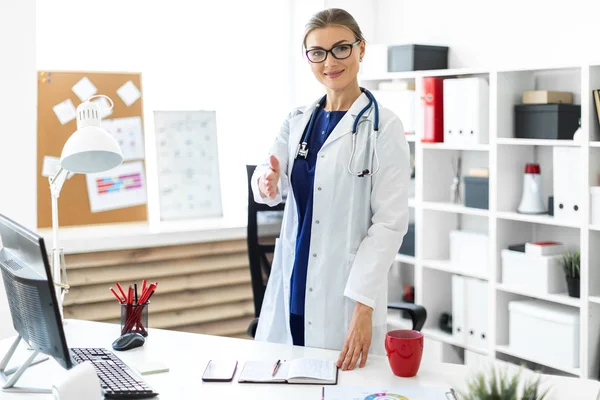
(117, 380)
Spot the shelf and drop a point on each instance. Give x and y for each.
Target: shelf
(595, 299)
(595, 144)
(441, 336)
(537, 219)
(537, 142)
(561, 298)
(456, 146)
(447, 266)
(411, 202)
(410, 137)
(594, 227)
(455, 208)
(422, 73)
(405, 259)
(508, 351)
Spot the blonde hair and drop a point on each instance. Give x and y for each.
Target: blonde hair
(332, 17)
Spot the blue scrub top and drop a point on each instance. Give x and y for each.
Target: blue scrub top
(303, 177)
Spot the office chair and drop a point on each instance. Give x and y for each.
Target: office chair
(260, 267)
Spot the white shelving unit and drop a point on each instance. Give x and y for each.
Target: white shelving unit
(430, 270)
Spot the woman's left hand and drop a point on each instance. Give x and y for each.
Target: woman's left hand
(358, 338)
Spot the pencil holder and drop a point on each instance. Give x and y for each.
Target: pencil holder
(134, 318)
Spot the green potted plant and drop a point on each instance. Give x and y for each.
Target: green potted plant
(570, 265)
(498, 385)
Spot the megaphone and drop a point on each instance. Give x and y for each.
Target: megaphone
(531, 200)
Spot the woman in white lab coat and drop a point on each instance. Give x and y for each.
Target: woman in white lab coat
(340, 232)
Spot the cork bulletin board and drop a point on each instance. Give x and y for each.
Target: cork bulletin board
(59, 94)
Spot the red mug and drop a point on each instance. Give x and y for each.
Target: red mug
(404, 351)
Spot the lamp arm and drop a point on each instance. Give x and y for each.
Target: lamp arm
(56, 183)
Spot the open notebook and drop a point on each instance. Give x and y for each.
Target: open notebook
(301, 370)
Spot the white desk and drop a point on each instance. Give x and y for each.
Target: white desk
(187, 355)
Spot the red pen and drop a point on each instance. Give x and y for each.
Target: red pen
(130, 296)
(143, 286)
(121, 290)
(147, 293)
(117, 296)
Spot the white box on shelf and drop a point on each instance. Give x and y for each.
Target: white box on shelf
(400, 102)
(466, 110)
(469, 252)
(534, 274)
(545, 333)
(595, 205)
(566, 163)
(376, 63)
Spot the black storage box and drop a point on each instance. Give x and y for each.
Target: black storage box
(413, 57)
(547, 121)
(408, 243)
(477, 192)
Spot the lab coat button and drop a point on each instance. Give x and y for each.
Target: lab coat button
(310, 323)
(317, 222)
(314, 254)
(310, 289)
(319, 188)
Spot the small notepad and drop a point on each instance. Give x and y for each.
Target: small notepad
(302, 370)
(151, 367)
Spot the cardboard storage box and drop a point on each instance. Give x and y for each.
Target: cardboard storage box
(477, 192)
(547, 97)
(413, 57)
(547, 333)
(546, 121)
(533, 273)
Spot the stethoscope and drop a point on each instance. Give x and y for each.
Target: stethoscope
(303, 146)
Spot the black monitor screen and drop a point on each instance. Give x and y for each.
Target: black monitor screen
(30, 291)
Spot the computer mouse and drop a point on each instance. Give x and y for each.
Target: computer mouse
(129, 341)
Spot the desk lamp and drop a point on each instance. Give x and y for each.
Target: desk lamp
(90, 149)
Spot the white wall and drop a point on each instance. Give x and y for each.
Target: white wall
(502, 34)
(18, 97)
(225, 56)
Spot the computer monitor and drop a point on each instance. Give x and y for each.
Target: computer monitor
(31, 297)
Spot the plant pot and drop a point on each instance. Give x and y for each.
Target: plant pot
(573, 286)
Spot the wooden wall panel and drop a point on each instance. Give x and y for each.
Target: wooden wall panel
(202, 288)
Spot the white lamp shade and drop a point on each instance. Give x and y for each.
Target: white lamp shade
(91, 148)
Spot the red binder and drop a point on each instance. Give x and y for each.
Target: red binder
(433, 89)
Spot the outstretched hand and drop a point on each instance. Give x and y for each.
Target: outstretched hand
(268, 182)
(358, 338)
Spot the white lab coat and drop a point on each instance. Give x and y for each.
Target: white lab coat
(358, 227)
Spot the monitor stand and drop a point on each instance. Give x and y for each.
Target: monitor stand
(8, 384)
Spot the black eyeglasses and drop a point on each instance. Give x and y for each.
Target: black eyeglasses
(339, 52)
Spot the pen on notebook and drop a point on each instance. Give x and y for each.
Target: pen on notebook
(276, 367)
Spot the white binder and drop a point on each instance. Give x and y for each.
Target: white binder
(466, 110)
(400, 102)
(477, 310)
(567, 168)
(459, 309)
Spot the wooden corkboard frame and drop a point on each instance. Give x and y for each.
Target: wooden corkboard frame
(73, 203)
